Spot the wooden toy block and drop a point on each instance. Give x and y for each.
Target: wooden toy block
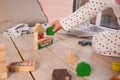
(38, 34)
(45, 42)
(3, 75)
(3, 67)
(61, 74)
(2, 55)
(116, 66)
(71, 58)
(23, 66)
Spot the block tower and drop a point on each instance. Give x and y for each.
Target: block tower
(3, 66)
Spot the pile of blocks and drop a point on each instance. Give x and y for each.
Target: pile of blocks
(40, 39)
(3, 66)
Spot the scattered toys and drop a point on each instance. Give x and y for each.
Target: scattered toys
(3, 67)
(83, 69)
(61, 74)
(24, 66)
(84, 42)
(116, 66)
(49, 31)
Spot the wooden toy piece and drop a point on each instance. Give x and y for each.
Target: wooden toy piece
(83, 69)
(69, 57)
(23, 66)
(61, 74)
(3, 67)
(3, 71)
(49, 31)
(116, 66)
(38, 34)
(45, 42)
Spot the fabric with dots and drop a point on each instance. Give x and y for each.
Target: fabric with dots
(107, 43)
(87, 12)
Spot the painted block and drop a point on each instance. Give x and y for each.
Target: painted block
(116, 66)
(40, 36)
(23, 66)
(45, 42)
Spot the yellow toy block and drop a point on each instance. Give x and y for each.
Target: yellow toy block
(116, 66)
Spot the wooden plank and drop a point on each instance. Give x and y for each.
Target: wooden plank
(100, 64)
(45, 60)
(12, 56)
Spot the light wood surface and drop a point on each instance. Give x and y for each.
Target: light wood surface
(55, 57)
(12, 56)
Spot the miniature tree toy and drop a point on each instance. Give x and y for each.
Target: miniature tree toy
(49, 31)
(83, 69)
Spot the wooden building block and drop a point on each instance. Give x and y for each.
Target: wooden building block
(24, 66)
(2, 55)
(61, 74)
(3, 75)
(38, 34)
(45, 42)
(3, 67)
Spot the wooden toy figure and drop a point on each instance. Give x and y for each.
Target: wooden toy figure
(3, 66)
(38, 34)
(61, 74)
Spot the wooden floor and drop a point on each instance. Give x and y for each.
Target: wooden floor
(54, 57)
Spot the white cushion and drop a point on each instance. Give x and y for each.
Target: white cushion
(13, 12)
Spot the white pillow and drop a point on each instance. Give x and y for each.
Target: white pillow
(13, 12)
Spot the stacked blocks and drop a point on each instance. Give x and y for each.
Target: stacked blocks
(61, 74)
(3, 67)
(23, 66)
(83, 69)
(39, 40)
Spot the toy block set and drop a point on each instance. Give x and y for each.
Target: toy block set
(40, 39)
(3, 66)
(23, 66)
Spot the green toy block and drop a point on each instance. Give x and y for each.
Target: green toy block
(45, 42)
(49, 31)
(83, 69)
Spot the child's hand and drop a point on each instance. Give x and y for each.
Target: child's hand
(56, 25)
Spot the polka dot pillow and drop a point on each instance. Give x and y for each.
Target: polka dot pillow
(107, 43)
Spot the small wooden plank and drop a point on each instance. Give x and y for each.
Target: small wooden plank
(12, 56)
(45, 60)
